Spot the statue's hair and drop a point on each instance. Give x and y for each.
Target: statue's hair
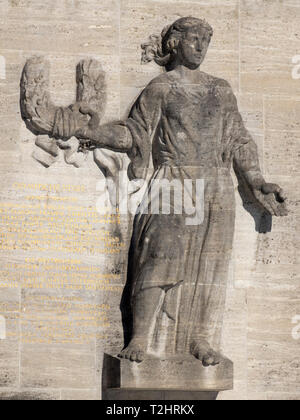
(160, 48)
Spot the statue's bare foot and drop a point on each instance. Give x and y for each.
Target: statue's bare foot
(134, 352)
(202, 351)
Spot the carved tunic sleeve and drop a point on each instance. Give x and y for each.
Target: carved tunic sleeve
(239, 144)
(142, 123)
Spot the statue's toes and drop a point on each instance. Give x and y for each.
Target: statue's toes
(133, 356)
(140, 357)
(211, 359)
(198, 354)
(124, 354)
(134, 353)
(207, 360)
(217, 359)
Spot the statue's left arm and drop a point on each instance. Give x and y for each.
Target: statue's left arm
(246, 161)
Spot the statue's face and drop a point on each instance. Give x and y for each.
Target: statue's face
(193, 47)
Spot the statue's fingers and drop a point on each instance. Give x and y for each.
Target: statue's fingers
(269, 207)
(54, 131)
(86, 109)
(57, 132)
(66, 123)
(82, 134)
(278, 208)
(275, 206)
(283, 210)
(140, 357)
(270, 188)
(95, 119)
(72, 124)
(277, 189)
(133, 356)
(282, 195)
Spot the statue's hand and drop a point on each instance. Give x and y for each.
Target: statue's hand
(86, 134)
(65, 124)
(75, 121)
(272, 198)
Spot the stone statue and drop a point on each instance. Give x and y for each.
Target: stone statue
(188, 122)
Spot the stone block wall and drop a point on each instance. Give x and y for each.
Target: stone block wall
(57, 329)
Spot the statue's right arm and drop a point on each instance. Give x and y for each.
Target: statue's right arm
(133, 136)
(113, 136)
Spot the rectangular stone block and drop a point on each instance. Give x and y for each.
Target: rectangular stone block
(168, 374)
(281, 114)
(29, 395)
(282, 151)
(9, 301)
(269, 40)
(281, 307)
(273, 364)
(282, 396)
(9, 350)
(58, 366)
(58, 28)
(268, 277)
(273, 351)
(79, 395)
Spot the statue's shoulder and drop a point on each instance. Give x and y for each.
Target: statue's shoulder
(222, 88)
(216, 82)
(160, 81)
(156, 87)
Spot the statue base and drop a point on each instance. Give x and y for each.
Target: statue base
(164, 379)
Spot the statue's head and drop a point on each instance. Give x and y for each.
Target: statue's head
(184, 42)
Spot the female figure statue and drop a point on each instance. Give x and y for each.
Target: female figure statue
(189, 122)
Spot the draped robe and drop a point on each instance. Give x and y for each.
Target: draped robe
(191, 131)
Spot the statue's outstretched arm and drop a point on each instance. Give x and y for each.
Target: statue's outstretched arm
(246, 163)
(132, 136)
(113, 136)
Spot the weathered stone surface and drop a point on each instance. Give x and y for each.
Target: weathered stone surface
(29, 395)
(152, 395)
(166, 374)
(79, 395)
(177, 373)
(9, 350)
(58, 366)
(253, 48)
(282, 153)
(273, 352)
(267, 48)
(62, 28)
(281, 114)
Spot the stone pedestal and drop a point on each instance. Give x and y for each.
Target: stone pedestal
(164, 379)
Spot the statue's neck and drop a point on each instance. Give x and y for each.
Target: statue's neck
(186, 74)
